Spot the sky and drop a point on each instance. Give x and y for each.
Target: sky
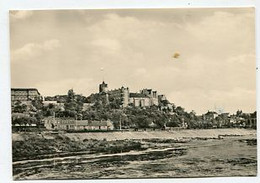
(56, 50)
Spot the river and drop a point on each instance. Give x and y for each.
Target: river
(228, 156)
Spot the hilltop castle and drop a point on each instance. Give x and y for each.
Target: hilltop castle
(144, 98)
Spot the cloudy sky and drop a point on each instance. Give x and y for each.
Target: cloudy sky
(58, 50)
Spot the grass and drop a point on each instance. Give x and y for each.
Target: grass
(35, 147)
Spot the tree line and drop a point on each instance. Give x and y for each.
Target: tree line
(155, 117)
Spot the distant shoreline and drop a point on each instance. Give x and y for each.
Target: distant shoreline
(174, 134)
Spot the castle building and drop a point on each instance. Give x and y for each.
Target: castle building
(144, 98)
(161, 97)
(121, 94)
(103, 92)
(107, 96)
(152, 96)
(103, 87)
(139, 100)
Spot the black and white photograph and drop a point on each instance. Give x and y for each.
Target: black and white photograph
(133, 93)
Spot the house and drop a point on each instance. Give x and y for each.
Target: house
(210, 115)
(24, 122)
(68, 124)
(87, 106)
(93, 125)
(16, 115)
(47, 103)
(52, 123)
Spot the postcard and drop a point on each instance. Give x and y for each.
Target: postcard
(133, 93)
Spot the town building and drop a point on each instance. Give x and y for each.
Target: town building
(93, 125)
(25, 122)
(25, 95)
(47, 103)
(69, 124)
(211, 115)
(57, 98)
(16, 115)
(87, 106)
(251, 122)
(52, 123)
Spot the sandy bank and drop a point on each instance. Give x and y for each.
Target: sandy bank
(202, 133)
(205, 133)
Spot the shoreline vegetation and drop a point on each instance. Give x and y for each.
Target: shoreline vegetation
(73, 112)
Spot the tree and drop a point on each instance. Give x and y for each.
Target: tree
(19, 107)
(73, 105)
(37, 104)
(25, 120)
(180, 111)
(50, 110)
(142, 121)
(173, 122)
(115, 103)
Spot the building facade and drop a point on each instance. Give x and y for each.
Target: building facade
(144, 98)
(152, 96)
(139, 100)
(24, 94)
(103, 87)
(121, 94)
(68, 124)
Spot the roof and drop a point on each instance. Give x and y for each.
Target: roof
(97, 123)
(50, 101)
(147, 89)
(92, 123)
(211, 112)
(18, 115)
(138, 95)
(82, 122)
(23, 89)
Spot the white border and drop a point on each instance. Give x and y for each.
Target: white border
(5, 128)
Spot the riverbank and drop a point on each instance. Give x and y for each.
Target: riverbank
(32, 145)
(201, 133)
(184, 153)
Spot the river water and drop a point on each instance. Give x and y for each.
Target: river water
(230, 156)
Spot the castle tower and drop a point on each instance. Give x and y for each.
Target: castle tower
(125, 96)
(103, 87)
